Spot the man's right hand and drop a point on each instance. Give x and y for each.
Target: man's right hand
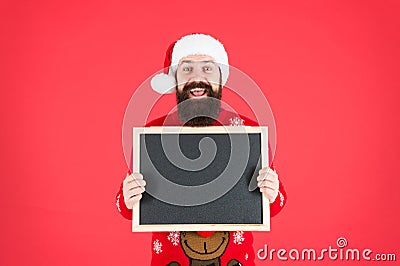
(132, 189)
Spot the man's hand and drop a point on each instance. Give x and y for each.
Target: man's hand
(268, 183)
(132, 189)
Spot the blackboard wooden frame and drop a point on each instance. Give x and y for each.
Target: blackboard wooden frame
(138, 131)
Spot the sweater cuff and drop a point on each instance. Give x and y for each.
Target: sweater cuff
(121, 207)
(280, 201)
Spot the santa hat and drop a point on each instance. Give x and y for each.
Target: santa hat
(193, 44)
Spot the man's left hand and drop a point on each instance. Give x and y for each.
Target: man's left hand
(268, 183)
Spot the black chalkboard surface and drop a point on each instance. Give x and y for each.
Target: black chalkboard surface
(200, 178)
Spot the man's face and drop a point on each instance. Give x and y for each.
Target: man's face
(198, 68)
(198, 90)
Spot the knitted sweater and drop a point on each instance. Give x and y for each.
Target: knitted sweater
(204, 248)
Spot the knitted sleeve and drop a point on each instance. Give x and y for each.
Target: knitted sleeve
(120, 202)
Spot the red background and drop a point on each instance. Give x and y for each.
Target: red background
(68, 69)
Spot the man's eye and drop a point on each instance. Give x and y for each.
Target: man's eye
(207, 68)
(187, 69)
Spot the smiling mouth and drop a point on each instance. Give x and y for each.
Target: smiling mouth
(197, 93)
(205, 248)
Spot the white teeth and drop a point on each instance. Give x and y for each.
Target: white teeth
(196, 89)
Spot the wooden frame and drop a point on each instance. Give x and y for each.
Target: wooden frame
(265, 226)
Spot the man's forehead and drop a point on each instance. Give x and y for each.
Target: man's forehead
(197, 58)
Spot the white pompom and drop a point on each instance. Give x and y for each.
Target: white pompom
(163, 83)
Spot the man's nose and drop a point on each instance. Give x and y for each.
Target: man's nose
(198, 75)
(198, 79)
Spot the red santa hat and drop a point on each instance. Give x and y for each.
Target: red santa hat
(193, 44)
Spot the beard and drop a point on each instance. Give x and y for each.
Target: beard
(198, 112)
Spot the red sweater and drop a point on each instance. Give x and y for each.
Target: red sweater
(166, 246)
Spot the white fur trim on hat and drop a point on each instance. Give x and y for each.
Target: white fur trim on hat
(201, 44)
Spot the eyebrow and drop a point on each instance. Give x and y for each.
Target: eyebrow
(191, 61)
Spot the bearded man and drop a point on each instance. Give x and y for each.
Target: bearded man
(198, 68)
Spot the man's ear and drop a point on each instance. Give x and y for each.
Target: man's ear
(176, 79)
(220, 78)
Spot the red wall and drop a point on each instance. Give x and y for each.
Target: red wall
(329, 70)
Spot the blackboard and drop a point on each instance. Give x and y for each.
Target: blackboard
(200, 178)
